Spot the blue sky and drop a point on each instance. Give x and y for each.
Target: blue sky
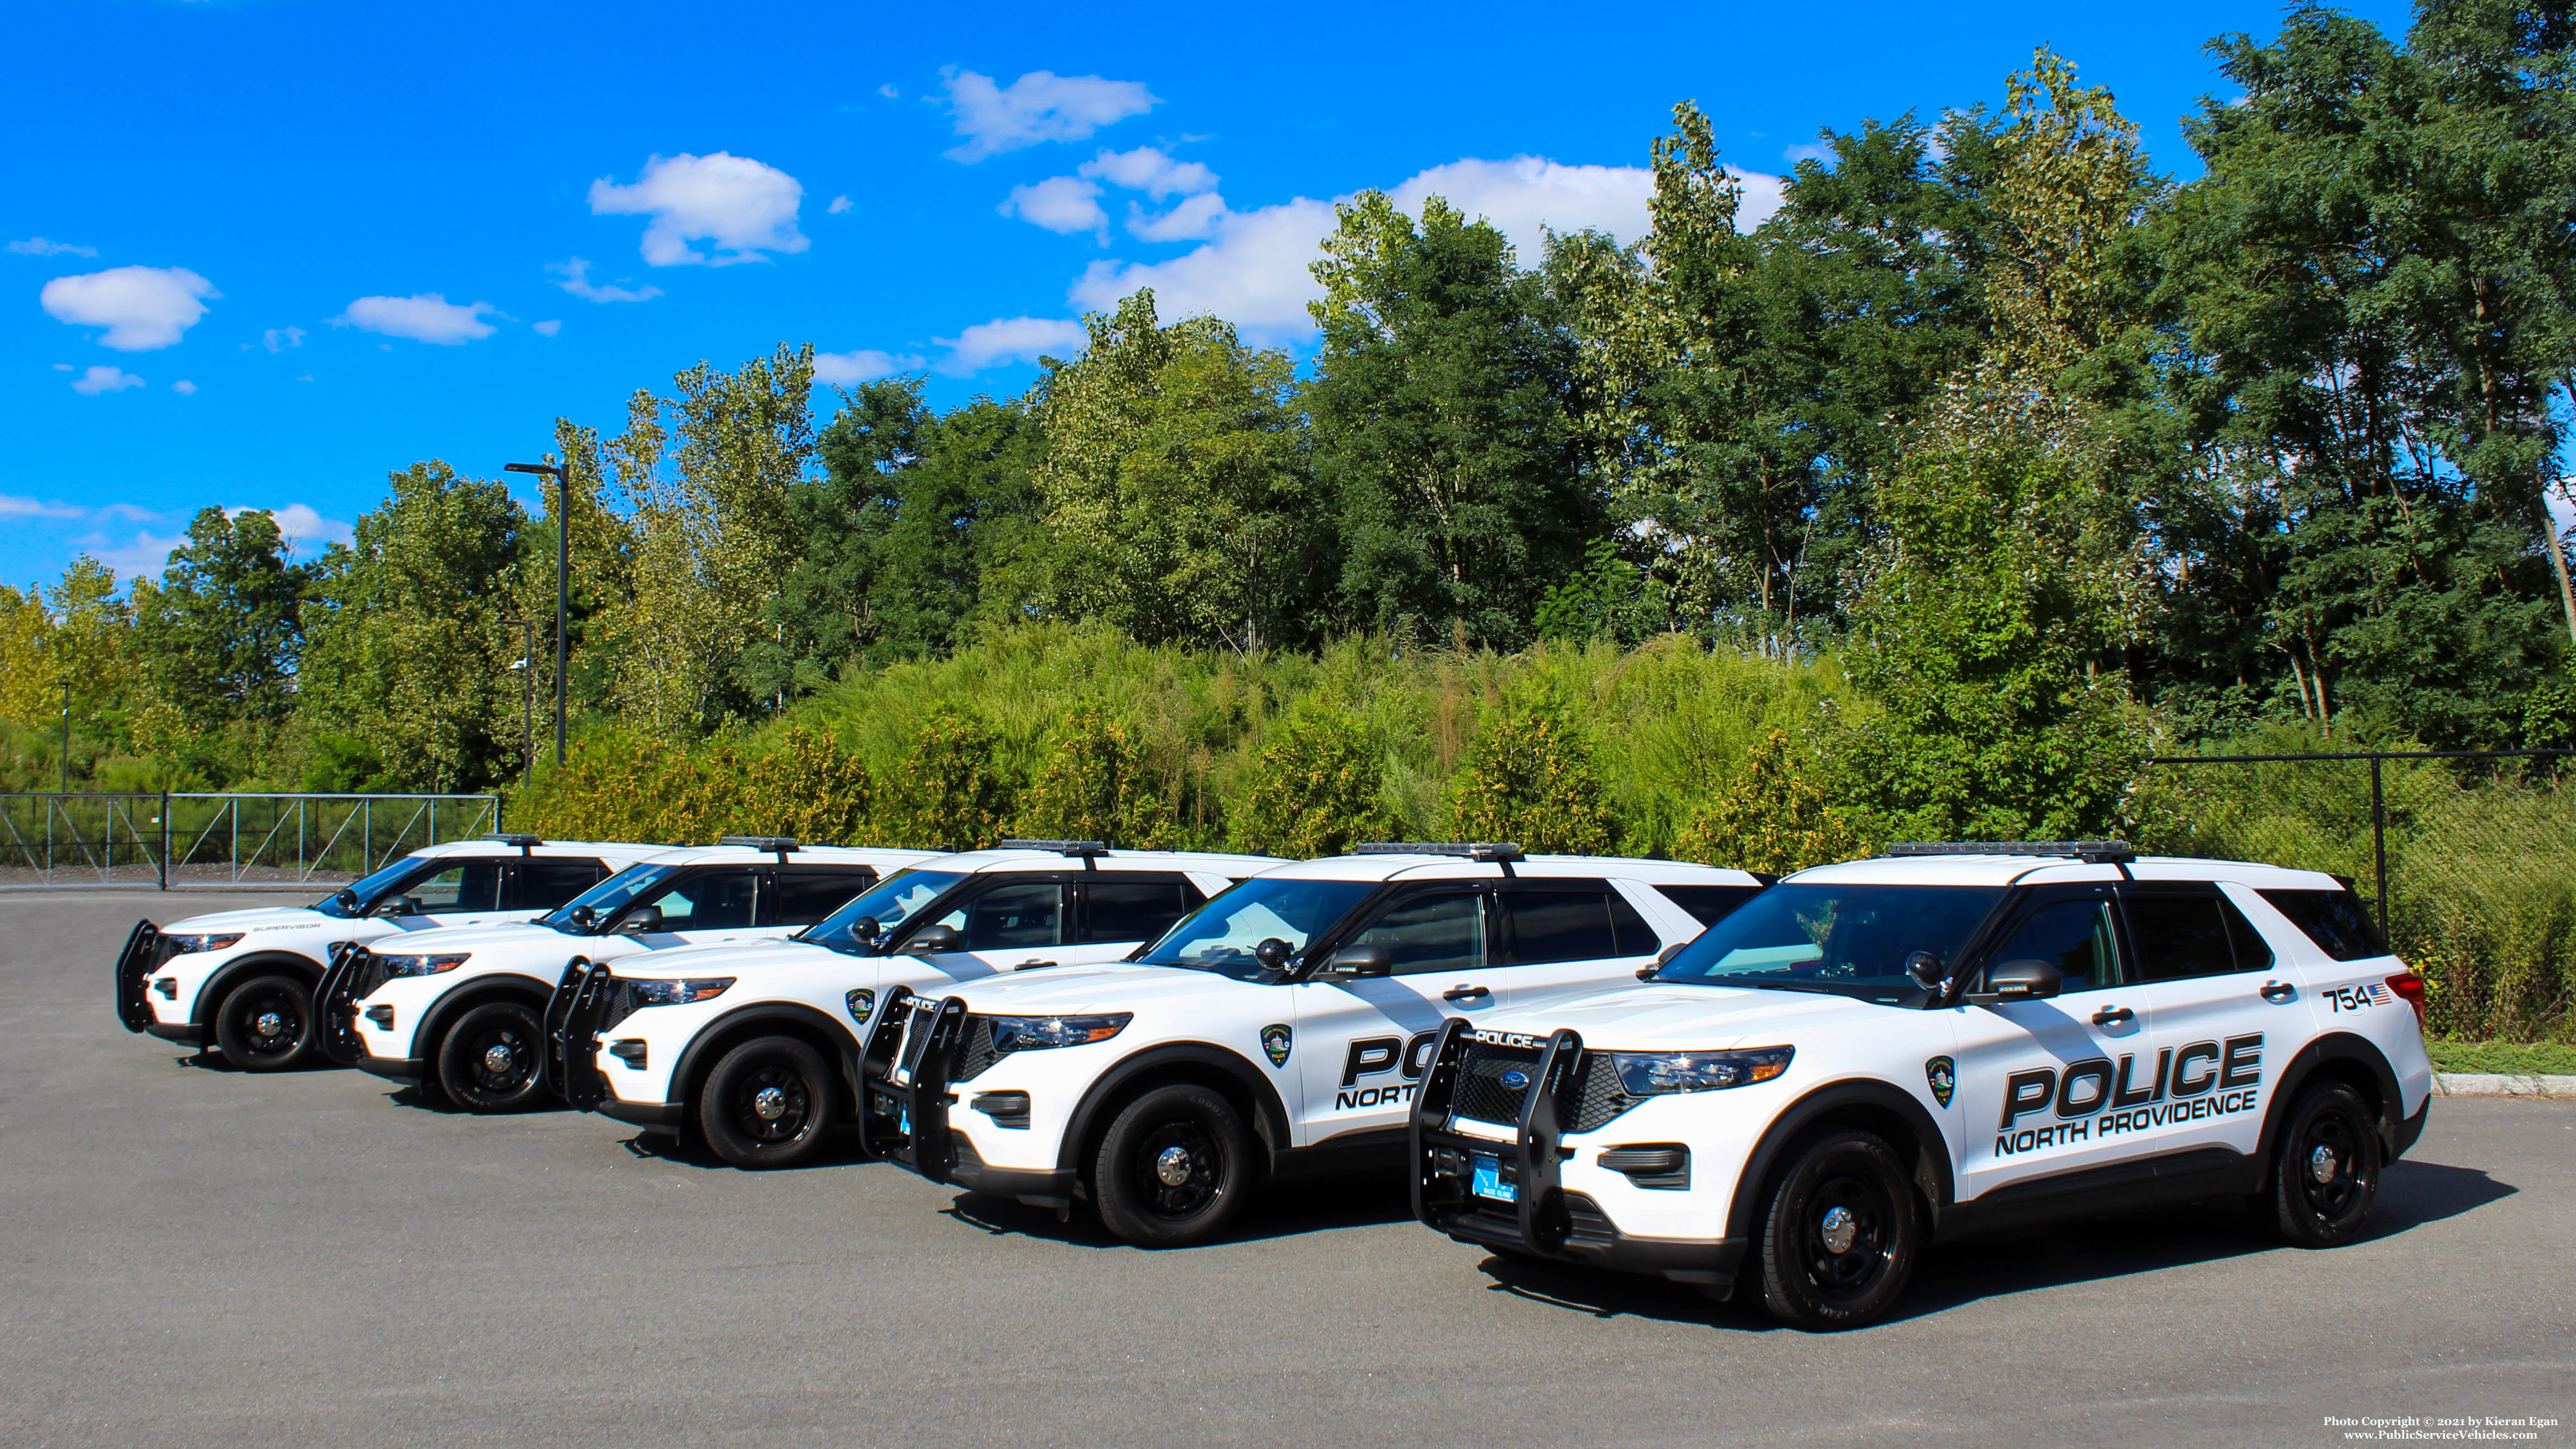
(262, 252)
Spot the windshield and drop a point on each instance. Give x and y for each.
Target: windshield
(1850, 940)
(604, 898)
(364, 891)
(1222, 935)
(893, 902)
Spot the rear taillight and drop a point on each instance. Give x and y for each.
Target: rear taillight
(2411, 987)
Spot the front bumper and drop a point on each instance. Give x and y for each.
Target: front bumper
(1541, 1219)
(185, 1033)
(912, 1060)
(145, 949)
(407, 1070)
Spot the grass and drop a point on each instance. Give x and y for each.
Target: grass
(2505, 1058)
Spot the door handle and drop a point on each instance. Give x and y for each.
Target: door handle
(2277, 992)
(1465, 993)
(1032, 964)
(2112, 1016)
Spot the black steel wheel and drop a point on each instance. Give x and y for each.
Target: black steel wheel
(494, 1059)
(1173, 1168)
(2325, 1174)
(265, 1024)
(768, 1103)
(1840, 1234)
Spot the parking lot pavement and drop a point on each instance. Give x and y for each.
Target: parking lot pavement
(193, 1256)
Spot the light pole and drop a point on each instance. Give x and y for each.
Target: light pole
(563, 581)
(528, 696)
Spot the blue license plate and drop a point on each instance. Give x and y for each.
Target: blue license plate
(903, 1120)
(1486, 1179)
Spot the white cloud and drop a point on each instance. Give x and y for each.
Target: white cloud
(184, 388)
(63, 367)
(839, 204)
(146, 554)
(574, 277)
(746, 208)
(1253, 269)
(423, 317)
(104, 379)
(890, 91)
(1008, 339)
(278, 339)
(1150, 170)
(142, 308)
(301, 526)
(849, 369)
(1038, 107)
(1808, 151)
(1059, 203)
(1194, 219)
(36, 246)
(547, 328)
(14, 507)
(128, 513)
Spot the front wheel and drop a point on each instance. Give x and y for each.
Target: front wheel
(494, 1059)
(1173, 1169)
(2326, 1174)
(265, 1024)
(768, 1103)
(1839, 1235)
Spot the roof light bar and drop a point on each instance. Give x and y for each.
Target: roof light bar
(1061, 847)
(2091, 852)
(1488, 851)
(777, 845)
(525, 843)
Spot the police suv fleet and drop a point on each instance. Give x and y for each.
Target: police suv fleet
(245, 982)
(464, 1008)
(756, 1046)
(1280, 1029)
(1873, 1056)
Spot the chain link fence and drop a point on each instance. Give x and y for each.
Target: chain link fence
(2467, 858)
(192, 840)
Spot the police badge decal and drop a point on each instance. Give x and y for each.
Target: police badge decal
(1274, 1041)
(1944, 1078)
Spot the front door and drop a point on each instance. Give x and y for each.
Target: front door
(1362, 1045)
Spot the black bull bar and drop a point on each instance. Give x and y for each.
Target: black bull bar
(903, 1082)
(145, 949)
(573, 1016)
(335, 1004)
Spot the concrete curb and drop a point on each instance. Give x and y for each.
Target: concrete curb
(2487, 1084)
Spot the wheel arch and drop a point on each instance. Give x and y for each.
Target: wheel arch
(1867, 1105)
(233, 973)
(2342, 1056)
(444, 1013)
(763, 1018)
(1202, 1063)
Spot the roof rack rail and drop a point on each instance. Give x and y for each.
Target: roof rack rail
(1487, 851)
(526, 843)
(2091, 852)
(1081, 848)
(778, 845)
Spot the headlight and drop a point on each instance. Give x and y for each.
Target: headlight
(651, 991)
(1646, 1074)
(1037, 1033)
(422, 965)
(190, 945)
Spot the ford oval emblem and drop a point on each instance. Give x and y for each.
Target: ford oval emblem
(1516, 1079)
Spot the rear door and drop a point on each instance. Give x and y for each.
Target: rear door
(1361, 1045)
(534, 885)
(1118, 911)
(2226, 1013)
(796, 896)
(1563, 937)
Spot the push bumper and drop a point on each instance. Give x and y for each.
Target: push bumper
(350, 976)
(903, 1084)
(1525, 1208)
(145, 950)
(573, 1015)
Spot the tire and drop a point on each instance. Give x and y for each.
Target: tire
(2325, 1172)
(1154, 1199)
(494, 1059)
(1824, 1273)
(768, 1103)
(266, 1024)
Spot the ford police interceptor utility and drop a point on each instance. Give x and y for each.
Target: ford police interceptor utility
(1279, 1030)
(244, 982)
(464, 1009)
(756, 1047)
(1957, 1039)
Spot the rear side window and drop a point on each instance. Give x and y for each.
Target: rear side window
(2334, 920)
(2188, 934)
(1134, 910)
(804, 897)
(1710, 904)
(473, 886)
(540, 884)
(1580, 925)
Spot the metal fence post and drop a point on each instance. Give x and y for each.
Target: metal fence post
(165, 840)
(2379, 839)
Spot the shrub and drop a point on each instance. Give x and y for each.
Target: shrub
(1096, 783)
(1777, 816)
(808, 787)
(952, 789)
(1315, 789)
(1531, 778)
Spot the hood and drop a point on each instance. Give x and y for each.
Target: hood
(734, 957)
(252, 919)
(1691, 1017)
(1108, 986)
(469, 938)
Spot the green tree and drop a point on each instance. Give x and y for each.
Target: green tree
(223, 630)
(1783, 811)
(964, 510)
(1530, 777)
(1317, 787)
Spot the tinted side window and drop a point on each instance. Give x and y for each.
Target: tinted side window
(538, 884)
(2073, 936)
(1010, 917)
(1710, 903)
(2180, 936)
(2253, 953)
(1557, 926)
(1431, 933)
(473, 886)
(2334, 920)
(1134, 910)
(1636, 938)
(710, 901)
(803, 897)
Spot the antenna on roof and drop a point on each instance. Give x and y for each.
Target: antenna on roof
(2091, 852)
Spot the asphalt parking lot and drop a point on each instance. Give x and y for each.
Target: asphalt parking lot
(193, 1256)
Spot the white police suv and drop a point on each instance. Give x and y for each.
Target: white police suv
(1279, 1030)
(756, 1047)
(1957, 1039)
(244, 982)
(464, 1009)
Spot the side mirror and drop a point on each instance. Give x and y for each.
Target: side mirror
(584, 917)
(398, 906)
(1351, 963)
(1273, 953)
(2026, 980)
(1925, 968)
(866, 931)
(932, 940)
(645, 921)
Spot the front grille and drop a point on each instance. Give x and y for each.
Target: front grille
(1480, 1093)
(975, 1053)
(617, 1003)
(1598, 1097)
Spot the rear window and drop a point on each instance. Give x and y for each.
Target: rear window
(2335, 920)
(1709, 903)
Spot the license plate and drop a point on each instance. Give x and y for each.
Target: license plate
(1486, 1179)
(903, 1120)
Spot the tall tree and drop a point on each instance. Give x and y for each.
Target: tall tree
(223, 631)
